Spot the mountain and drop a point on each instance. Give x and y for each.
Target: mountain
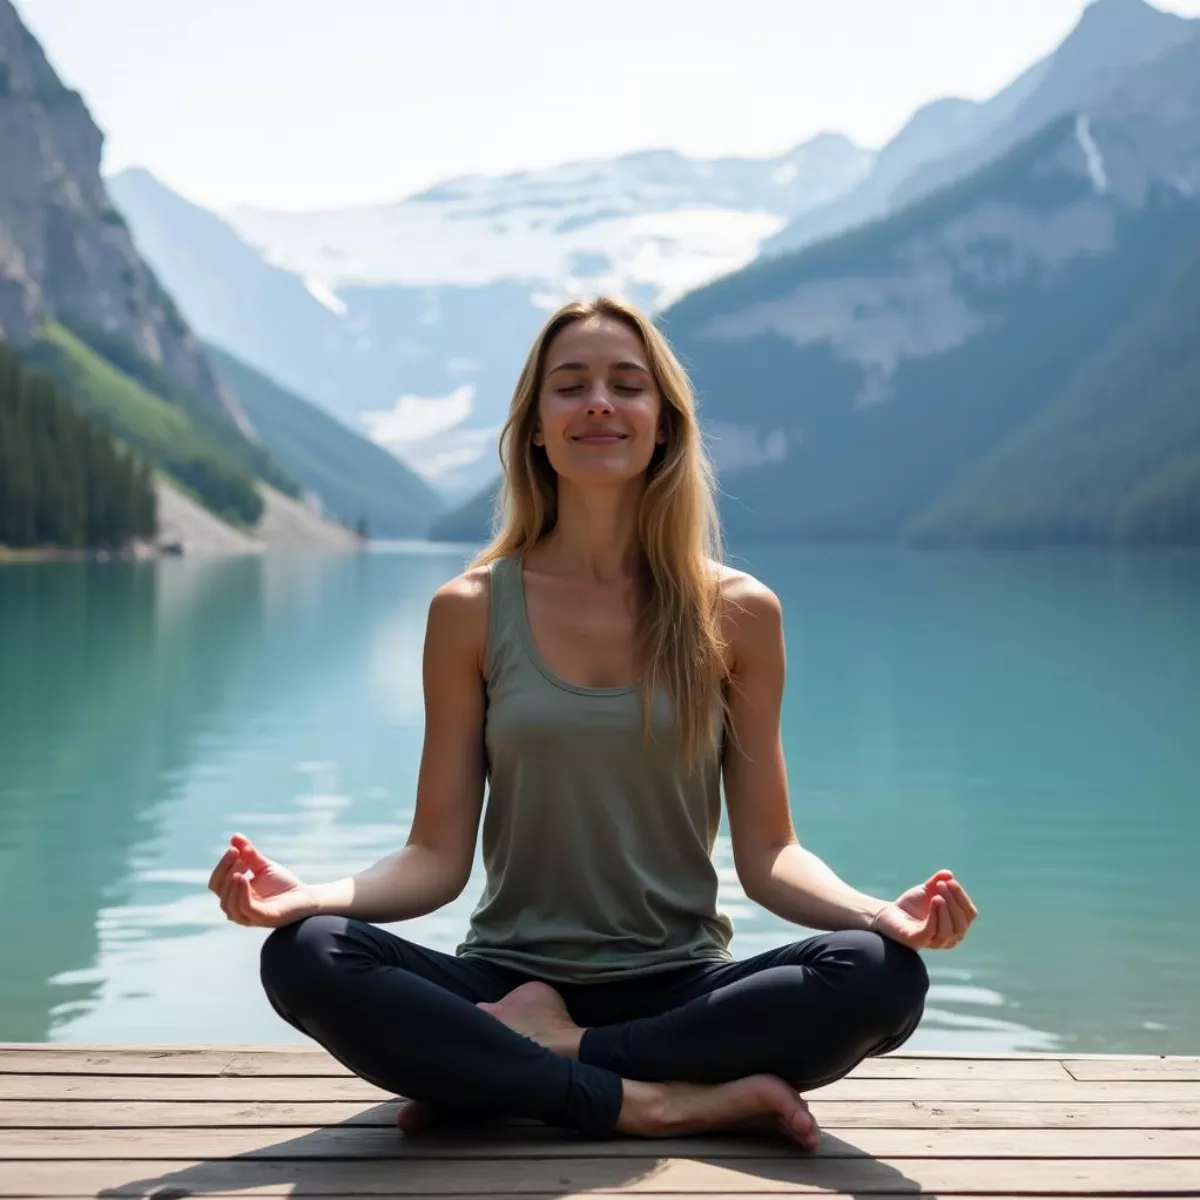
(78, 304)
(1114, 457)
(469, 521)
(143, 420)
(230, 294)
(952, 138)
(353, 477)
(410, 321)
(65, 251)
(1111, 37)
(1011, 360)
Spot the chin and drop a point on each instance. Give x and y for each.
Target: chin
(585, 473)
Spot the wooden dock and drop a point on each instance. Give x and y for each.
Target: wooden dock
(251, 1121)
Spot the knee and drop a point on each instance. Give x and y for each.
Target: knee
(884, 980)
(295, 958)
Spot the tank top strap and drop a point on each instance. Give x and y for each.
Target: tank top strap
(505, 612)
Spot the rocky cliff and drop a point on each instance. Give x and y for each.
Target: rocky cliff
(65, 251)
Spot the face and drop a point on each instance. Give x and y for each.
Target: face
(599, 408)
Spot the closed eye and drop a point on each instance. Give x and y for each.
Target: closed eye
(625, 389)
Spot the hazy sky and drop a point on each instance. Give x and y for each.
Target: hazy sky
(310, 103)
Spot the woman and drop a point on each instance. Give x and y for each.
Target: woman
(604, 674)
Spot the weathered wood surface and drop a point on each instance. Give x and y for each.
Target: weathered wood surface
(80, 1121)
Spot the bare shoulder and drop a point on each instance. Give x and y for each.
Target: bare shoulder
(745, 599)
(458, 612)
(751, 619)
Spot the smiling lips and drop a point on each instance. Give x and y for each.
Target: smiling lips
(599, 437)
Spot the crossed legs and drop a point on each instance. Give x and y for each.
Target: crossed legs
(408, 1020)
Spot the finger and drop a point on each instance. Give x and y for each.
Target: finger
(924, 928)
(959, 916)
(956, 913)
(250, 853)
(244, 901)
(960, 893)
(217, 878)
(226, 898)
(929, 931)
(229, 900)
(945, 924)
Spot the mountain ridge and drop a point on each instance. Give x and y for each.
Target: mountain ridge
(412, 328)
(1118, 34)
(852, 390)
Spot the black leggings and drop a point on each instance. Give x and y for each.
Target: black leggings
(404, 1018)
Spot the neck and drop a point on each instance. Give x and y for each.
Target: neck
(595, 533)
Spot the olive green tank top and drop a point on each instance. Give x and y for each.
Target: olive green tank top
(597, 843)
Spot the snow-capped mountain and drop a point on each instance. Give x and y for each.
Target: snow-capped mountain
(1014, 361)
(651, 225)
(410, 320)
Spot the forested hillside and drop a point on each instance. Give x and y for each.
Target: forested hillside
(63, 482)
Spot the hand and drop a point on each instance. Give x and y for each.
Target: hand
(934, 915)
(256, 891)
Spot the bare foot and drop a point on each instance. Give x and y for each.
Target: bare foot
(538, 1011)
(677, 1109)
(414, 1117)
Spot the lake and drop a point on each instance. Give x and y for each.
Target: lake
(1030, 720)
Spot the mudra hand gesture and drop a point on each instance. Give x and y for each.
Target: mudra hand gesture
(934, 915)
(255, 890)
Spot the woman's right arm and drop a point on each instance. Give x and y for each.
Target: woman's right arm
(433, 866)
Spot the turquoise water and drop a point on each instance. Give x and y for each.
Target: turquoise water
(1032, 721)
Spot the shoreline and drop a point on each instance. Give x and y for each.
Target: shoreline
(133, 553)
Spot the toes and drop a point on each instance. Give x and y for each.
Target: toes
(804, 1129)
(414, 1117)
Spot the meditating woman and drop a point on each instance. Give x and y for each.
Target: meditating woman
(603, 674)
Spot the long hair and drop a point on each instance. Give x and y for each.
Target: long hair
(679, 640)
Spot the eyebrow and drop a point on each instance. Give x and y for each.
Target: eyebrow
(578, 366)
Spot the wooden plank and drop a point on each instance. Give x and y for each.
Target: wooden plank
(1163, 1068)
(831, 1114)
(561, 1177)
(308, 1047)
(877, 1068)
(166, 1087)
(330, 1143)
(316, 1063)
(128, 1061)
(268, 1191)
(278, 1088)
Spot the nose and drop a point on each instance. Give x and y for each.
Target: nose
(599, 402)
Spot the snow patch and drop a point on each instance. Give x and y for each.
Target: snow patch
(662, 210)
(1091, 153)
(325, 295)
(919, 309)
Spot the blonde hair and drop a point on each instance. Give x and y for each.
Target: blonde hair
(679, 640)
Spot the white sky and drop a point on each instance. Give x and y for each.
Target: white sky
(304, 104)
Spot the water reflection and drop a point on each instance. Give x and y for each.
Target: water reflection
(111, 672)
(1030, 721)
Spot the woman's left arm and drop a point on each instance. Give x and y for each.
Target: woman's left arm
(773, 868)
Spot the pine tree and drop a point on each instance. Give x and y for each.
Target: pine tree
(62, 480)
